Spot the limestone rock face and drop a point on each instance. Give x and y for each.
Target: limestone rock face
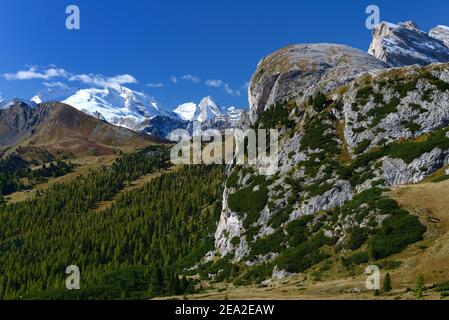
(229, 227)
(404, 44)
(397, 172)
(298, 71)
(412, 117)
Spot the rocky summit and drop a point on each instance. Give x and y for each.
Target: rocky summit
(405, 44)
(297, 71)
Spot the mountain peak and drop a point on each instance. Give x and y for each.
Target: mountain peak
(409, 25)
(405, 44)
(208, 109)
(186, 111)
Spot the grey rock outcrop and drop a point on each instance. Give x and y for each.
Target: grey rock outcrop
(229, 227)
(337, 196)
(397, 172)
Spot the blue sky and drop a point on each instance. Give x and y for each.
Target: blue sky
(210, 47)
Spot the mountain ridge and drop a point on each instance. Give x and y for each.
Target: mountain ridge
(61, 128)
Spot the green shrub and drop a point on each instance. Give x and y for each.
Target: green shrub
(390, 264)
(397, 232)
(316, 136)
(235, 241)
(409, 151)
(363, 95)
(362, 146)
(379, 113)
(305, 255)
(249, 202)
(318, 101)
(357, 237)
(318, 189)
(280, 217)
(271, 243)
(233, 178)
(356, 258)
(403, 88)
(441, 178)
(255, 274)
(412, 126)
(276, 115)
(387, 287)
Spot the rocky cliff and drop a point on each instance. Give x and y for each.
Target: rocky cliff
(350, 127)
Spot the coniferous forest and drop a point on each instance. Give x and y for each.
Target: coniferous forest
(136, 248)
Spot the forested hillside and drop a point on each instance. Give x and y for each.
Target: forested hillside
(134, 249)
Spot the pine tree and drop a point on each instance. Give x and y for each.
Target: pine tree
(156, 281)
(184, 284)
(387, 283)
(419, 286)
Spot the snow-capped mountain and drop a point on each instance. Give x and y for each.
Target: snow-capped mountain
(404, 44)
(206, 110)
(120, 106)
(186, 111)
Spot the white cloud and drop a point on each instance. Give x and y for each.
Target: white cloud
(230, 91)
(191, 78)
(54, 72)
(155, 85)
(57, 84)
(221, 84)
(35, 73)
(102, 81)
(174, 79)
(214, 83)
(187, 77)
